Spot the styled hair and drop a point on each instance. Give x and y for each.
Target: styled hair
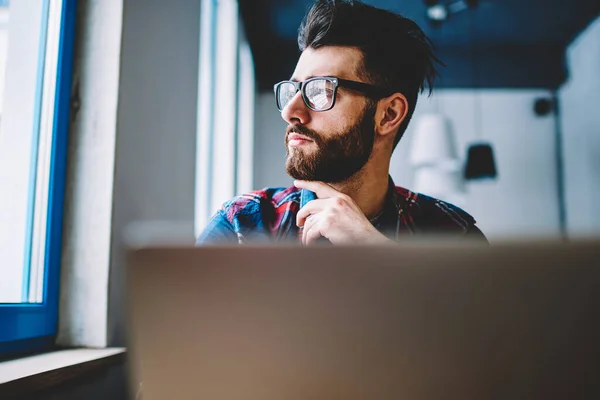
(397, 55)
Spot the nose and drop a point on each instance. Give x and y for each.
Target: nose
(296, 112)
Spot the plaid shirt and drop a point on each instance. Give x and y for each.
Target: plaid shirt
(269, 215)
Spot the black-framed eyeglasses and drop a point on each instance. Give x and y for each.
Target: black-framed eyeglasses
(319, 93)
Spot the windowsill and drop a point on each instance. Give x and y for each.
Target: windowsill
(38, 372)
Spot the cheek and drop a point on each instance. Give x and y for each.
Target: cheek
(332, 125)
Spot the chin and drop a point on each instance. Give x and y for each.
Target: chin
(301, 152)
(304, 147)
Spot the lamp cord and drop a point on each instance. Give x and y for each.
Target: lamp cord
(560, 170)
(477, 109)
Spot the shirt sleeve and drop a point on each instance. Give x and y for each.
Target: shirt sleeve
(476, 235)
(218, 231)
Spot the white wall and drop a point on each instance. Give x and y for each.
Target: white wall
(580, 123)
(87, 229)
(522, 202)
(156, 128)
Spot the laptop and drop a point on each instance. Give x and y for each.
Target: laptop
(415, 321)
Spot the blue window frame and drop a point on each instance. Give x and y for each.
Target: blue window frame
(31, 325)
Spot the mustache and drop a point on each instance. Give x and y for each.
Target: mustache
(302, 131)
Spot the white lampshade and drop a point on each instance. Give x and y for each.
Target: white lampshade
(438, 182)
(433, 143)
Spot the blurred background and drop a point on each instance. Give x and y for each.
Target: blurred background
(116, 113)
(520, 76)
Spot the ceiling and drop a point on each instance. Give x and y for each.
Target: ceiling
(511, 43)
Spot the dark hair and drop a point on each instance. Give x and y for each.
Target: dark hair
(396, 53)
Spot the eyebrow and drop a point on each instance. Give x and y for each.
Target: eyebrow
(293, 79)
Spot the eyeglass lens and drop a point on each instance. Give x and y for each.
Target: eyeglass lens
(318, 94)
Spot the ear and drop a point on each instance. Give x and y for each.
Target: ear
(391, 111)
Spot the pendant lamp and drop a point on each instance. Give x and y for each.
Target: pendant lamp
(480, 162)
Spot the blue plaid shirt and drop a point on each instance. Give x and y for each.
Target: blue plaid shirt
(269, 215)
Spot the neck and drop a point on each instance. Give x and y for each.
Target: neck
(368, 188)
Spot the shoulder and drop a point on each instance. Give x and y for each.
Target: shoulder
(263, 202)
(431, 214)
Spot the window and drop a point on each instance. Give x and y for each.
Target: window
(36, 56)
(226, 97)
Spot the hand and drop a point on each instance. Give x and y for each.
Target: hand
(334, 216)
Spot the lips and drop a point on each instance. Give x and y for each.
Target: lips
(297, 136)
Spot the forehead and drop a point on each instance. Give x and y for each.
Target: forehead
(342, 62)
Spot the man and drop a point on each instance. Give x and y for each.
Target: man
(350, 99)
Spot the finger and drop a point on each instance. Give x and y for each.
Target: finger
(312, 232)
(322, 190)
(312, 207)
(310, 221)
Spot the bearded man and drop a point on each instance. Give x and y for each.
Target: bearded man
(347, 105)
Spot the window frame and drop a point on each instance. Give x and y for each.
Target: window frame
(32, 327)
(223, 145)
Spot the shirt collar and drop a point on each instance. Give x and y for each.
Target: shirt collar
(306, 196)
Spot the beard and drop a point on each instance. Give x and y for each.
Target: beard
(337, 156)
